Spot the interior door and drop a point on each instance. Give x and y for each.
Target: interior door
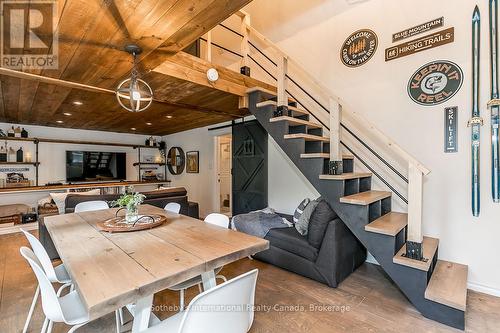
(249, 167)
(224, 173)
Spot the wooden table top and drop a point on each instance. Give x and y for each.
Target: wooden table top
(113, 270)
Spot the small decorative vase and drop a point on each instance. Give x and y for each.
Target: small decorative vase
(132, 214)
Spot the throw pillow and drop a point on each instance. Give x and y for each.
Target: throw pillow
(60, 198)
(318, 223)
(300, 209)
(302, 225)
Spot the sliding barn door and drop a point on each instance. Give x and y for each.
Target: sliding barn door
(249, 167)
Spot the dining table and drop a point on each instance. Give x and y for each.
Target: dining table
(114, 270)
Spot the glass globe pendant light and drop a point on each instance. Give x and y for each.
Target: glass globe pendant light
(134, 94)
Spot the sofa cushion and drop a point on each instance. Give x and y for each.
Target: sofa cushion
(166, 192)
(318, 223)
(290, 240)
(74, 199)
(60, 197)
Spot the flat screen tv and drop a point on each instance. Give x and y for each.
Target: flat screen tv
(90, 166)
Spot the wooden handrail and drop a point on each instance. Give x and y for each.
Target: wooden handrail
(391, 144)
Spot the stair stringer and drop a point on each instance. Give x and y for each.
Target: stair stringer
(412, 282)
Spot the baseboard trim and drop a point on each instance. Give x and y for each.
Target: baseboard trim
(483, 289)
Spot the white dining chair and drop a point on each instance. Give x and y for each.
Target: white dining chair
(227, 308)
(88, 206)
(218, 219)
(214, 219)
(173, 207)
(56, 274)
(68, 309)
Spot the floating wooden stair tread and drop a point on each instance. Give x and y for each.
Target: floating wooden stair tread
(273, 103)
(346, 176)
(266, 91)
(307, 137)
(324, 155)
(390, 224)
(295, 121)
(448, 285)
(429, 245)
(365, 198)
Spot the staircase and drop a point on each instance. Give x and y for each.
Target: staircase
(437, 288)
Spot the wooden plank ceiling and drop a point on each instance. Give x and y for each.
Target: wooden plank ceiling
(92, 34)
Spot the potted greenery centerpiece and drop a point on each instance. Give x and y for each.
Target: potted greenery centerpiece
(130, 201)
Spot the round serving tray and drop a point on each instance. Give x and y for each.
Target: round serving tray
(118, 224)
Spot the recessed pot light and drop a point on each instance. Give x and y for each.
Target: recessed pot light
(149, 124)
(169, 117)
(59, 121)
(67, 114)
(77, 103)
(133, 129)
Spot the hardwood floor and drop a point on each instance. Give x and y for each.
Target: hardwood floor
(365, 302)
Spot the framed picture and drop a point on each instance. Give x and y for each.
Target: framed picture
(193, 162)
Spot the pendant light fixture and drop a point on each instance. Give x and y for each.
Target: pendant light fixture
(134, 94)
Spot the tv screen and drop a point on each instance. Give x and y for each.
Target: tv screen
(88, 166)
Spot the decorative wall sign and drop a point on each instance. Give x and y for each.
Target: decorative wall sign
(450, 130)
(435, 83)
(358, 48)
(421, 28)
(418, 45)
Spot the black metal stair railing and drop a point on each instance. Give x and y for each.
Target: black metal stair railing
(361, 141)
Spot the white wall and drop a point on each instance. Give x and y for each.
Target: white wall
(200, 186)
(377, 90)
(52, 156)
(287, 186)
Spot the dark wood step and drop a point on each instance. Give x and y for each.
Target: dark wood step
(389, 224)
(429, 248)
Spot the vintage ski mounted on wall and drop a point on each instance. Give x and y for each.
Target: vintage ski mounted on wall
(476, 121)
(494, 104)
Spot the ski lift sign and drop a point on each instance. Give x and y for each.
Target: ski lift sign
(450, 130)
(435, 83)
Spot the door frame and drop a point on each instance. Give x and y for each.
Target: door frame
(216, 201)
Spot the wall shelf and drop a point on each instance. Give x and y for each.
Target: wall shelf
(149, 163)
(6, 190)
(20, 163)
(11, 138)
(77, 142)
(36, 141)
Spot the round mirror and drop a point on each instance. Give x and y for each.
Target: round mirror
(176, 160)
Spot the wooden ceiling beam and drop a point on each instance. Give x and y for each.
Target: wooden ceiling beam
(75, 85)
(204, 21)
